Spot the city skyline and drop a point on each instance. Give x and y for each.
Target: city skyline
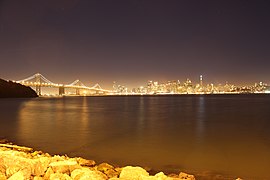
(132, 42)
(38, 82)
(198, 80)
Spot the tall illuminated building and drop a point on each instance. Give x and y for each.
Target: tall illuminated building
(201, 80)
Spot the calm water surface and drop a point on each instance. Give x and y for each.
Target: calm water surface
(223, 134)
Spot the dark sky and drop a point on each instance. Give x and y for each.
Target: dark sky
(133, 41)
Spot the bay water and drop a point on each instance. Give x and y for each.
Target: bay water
(222, 134)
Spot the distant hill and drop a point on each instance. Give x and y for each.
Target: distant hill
(10, 89)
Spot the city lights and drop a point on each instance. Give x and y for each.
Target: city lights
(151, 88)
(188, 87)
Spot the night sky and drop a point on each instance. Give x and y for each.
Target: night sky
(133, 41)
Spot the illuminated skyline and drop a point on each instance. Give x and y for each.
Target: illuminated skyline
(134, 41)
(38, 82)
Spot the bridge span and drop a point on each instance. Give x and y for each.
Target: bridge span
(37, 81)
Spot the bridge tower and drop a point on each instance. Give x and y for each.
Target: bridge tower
(38, 83)
(61, 90)
(78, 90)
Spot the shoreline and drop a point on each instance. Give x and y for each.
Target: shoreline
(37, 165)
(159, 95)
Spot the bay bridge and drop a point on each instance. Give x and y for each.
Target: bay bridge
(37, 81)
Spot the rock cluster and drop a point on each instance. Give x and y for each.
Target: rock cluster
(20, 165)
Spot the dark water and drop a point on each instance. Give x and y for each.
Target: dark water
(225, 134)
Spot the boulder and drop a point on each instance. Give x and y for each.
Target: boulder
(186, 176)
(26, 172)
(18, 176)
(111, 173)
(87, 174)
(12, 170)
(103, 167)
(108, 170)
(40, 166)
(77, 173)
(48, 173)
(161, 176)
(8, 158)
(65, 166)
(133, 173)
(59, 176)
(85, 162)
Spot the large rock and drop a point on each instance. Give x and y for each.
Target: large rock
(66, 166)
(23, 163)
(133, 173)
(12, 170)
(27, 172)
(40, 166)
(59, 176)
(87, 174)
(48, 173)
(161, 176)
(103, 167)
(18, 176)
(111, 173)
(108, 170)
(85, 162)
(186, 176)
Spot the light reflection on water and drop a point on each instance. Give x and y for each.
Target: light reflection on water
(225, 134)
(200, 118)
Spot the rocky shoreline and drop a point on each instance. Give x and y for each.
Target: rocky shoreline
(23, 163)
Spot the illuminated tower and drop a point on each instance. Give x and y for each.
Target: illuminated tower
(201, 80)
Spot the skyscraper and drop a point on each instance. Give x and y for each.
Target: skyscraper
(201, 80)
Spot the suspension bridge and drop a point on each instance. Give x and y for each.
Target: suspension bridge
(37, 81)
